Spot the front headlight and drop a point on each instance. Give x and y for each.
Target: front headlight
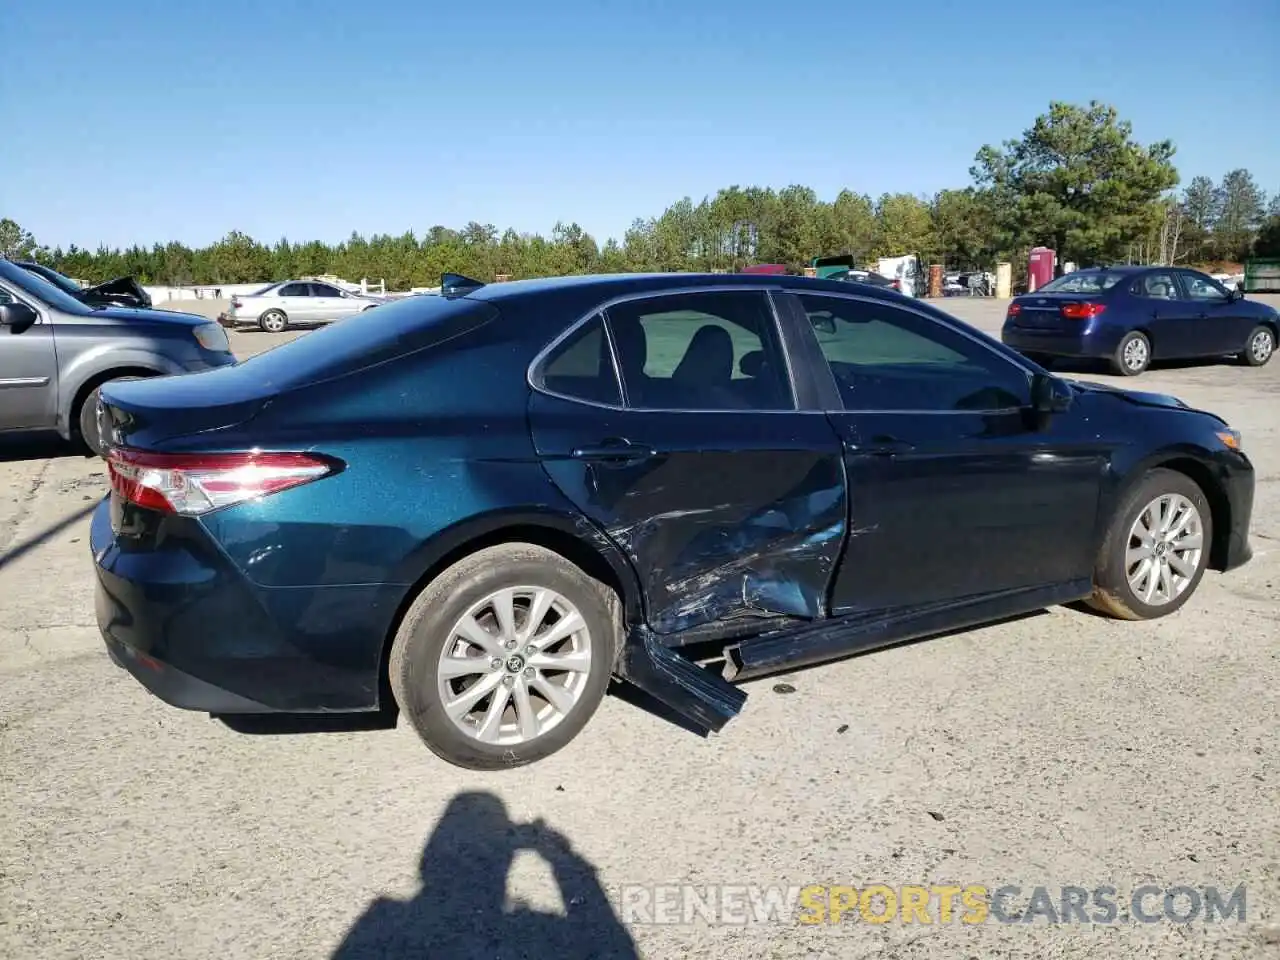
(212, 337)
(1230, 439)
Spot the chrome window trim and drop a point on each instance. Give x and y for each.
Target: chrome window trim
(534, 371)
(948, 324)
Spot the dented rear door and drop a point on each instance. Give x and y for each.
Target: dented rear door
(724, 514)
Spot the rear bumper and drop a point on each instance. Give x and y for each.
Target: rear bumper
(186, 623)
(1055, 343)
(176, 688)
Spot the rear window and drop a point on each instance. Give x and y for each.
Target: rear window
(1083, 281)
(365, 339)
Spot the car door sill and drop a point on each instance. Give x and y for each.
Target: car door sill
(842, 636)
(703, 700)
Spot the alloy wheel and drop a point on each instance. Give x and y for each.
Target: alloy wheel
(1136, 354)
(1261, 346)
(515, 665)
(1166, 543)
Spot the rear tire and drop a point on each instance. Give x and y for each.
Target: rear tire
(87, 432)
(480, 690)
(1156, 550)
(1132, 356)
(273, 321)
(1260, 347)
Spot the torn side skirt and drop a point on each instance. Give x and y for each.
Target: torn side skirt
(704, 699)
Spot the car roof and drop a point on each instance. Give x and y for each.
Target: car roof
(1119, 268)
(607, 286)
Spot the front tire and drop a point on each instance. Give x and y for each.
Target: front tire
(1260, 346)
(1133, 355)
(87, 430)
(1156, 550)
(273, 321)
(504, 657)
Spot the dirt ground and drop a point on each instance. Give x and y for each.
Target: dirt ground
(1058, 750)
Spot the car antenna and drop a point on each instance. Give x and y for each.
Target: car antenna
(457, 285)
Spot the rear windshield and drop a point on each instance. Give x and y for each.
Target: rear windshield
(366, 339)
(1083, 281)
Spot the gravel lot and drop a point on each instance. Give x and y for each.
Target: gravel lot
(1059, 749)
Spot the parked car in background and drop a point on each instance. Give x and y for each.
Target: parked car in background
(56, 352)
(481, 506)
(864, 276)
(120, 292)
(277, 306)
(1131, 316)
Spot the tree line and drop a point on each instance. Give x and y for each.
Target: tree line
(1076, 180)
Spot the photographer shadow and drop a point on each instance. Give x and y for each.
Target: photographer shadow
(459, 911)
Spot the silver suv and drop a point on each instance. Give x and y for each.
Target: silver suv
(56, 351)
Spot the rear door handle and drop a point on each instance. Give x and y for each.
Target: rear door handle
(614, 450)
(881, 445)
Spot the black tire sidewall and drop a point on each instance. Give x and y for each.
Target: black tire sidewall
(1111, 575)
(90, 436)
(1117, 361)
(426, 628)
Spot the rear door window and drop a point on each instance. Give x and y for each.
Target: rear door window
(1156, 286)
(712, 350)
(293, 290)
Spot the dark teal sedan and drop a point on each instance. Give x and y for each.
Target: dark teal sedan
(484, 509)
(1131, 316)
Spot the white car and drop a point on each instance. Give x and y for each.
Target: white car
(275, 307)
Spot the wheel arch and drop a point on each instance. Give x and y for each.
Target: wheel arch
(1197, 466)
(69, 416)
(573, 538)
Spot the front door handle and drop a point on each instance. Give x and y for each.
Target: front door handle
(614, 450)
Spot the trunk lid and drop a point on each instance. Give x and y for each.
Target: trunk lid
(1043, 311)
(144, 413)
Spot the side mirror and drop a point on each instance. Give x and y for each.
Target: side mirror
(1235, 294)
(17, 315)
(1049, 395)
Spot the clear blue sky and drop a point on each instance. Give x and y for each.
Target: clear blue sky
(153, 120)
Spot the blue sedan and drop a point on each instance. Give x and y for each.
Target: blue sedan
(1131, 316)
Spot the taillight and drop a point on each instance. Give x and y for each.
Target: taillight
(1015, 309)
(192, 484)
(236, 304)
(1081, 311)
